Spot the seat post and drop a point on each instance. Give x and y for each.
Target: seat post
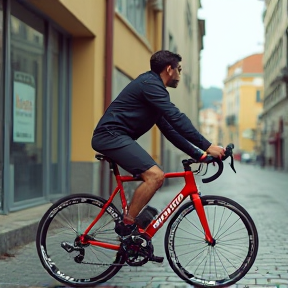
(112, 165)
(114, 168)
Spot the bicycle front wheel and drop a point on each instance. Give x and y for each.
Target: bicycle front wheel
(201, 264)
(60, 250)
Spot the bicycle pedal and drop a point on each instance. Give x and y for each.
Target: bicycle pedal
(157, 259)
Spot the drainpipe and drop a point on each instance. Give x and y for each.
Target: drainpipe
(106, 178)
(162, 146)
(109, 52)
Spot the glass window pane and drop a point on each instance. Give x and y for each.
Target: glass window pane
(27, 52)
(54, 86)
(134, 12)
(1, 107)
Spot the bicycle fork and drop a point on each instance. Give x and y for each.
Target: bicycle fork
(202, 217)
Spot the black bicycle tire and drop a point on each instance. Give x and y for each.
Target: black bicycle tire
(43, 228)
(247, 220)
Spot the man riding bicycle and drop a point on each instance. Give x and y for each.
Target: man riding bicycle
(143, 103)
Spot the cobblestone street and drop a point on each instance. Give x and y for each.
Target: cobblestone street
(264, 195)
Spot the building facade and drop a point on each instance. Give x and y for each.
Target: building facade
(242, 103)
(188, 43)
(62, 63)
(210, 124)
(274, 119)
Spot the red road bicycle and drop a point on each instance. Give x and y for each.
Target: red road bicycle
(211, 241)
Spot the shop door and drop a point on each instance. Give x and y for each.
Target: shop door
(1, 109)
(27, 66)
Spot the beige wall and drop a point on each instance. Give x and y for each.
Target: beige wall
(87, 97)
(76, 17)
(85, 21)
(186, 43)
(131, 54)
(131, 51)
(275, 99)
(209, 124)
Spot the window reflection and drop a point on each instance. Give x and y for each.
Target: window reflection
(1, 107)
(27, 51)
(54, 86)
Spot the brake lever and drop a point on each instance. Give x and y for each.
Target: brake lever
(205, 170)
(198, 170)
(232, 163)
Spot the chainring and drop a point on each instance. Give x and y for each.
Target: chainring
(137, 249)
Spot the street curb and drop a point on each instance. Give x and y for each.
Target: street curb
(17, 237)
(19, 228)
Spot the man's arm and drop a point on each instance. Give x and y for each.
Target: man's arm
(158, 97)
(177, 140)
(181, 143)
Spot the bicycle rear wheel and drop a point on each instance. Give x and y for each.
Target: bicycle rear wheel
(61, 253)
(203, 265)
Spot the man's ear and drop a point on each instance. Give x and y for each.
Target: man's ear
(169, 69)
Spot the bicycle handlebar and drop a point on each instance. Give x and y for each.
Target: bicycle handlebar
(210, 159)
(218, 173)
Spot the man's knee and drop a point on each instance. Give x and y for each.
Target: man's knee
(154, 176)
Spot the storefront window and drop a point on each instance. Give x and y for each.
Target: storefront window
(1, 107)
(55, 98)
(26, 146)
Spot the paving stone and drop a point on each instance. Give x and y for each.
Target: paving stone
(269, 212)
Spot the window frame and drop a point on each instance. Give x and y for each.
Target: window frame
(135, 15)
(64, 122)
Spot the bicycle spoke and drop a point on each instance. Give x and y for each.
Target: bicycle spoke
(229, 227)
(64, 225)
(222, 225)
(206, 265)
(228, 252)
(221, 262)
(200, 230)
(191, 241)
(227, 259)
(192, 233)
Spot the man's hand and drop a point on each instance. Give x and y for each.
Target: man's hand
(216, 151)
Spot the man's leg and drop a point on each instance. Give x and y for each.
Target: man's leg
(152, 180)
(134, 159)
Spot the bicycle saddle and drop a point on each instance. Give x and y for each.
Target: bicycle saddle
(103, 157)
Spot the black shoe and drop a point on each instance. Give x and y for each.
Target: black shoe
(124, 229)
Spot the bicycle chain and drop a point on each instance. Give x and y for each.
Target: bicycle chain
(104, 264)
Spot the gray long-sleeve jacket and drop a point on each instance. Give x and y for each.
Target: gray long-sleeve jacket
(144, 102)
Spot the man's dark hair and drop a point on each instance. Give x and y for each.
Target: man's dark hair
(162, 58)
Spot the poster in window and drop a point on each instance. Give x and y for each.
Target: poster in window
(23, 108)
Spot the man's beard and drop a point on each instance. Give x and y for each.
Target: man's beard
(173, 83)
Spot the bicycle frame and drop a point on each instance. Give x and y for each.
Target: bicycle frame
(190, 189)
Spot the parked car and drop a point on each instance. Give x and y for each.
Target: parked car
(246, 157)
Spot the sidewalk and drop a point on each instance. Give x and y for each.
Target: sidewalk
(19, 228)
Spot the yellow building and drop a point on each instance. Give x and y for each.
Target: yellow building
(242, 103)
(66, 60)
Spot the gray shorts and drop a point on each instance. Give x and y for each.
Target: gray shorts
(131, 157)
